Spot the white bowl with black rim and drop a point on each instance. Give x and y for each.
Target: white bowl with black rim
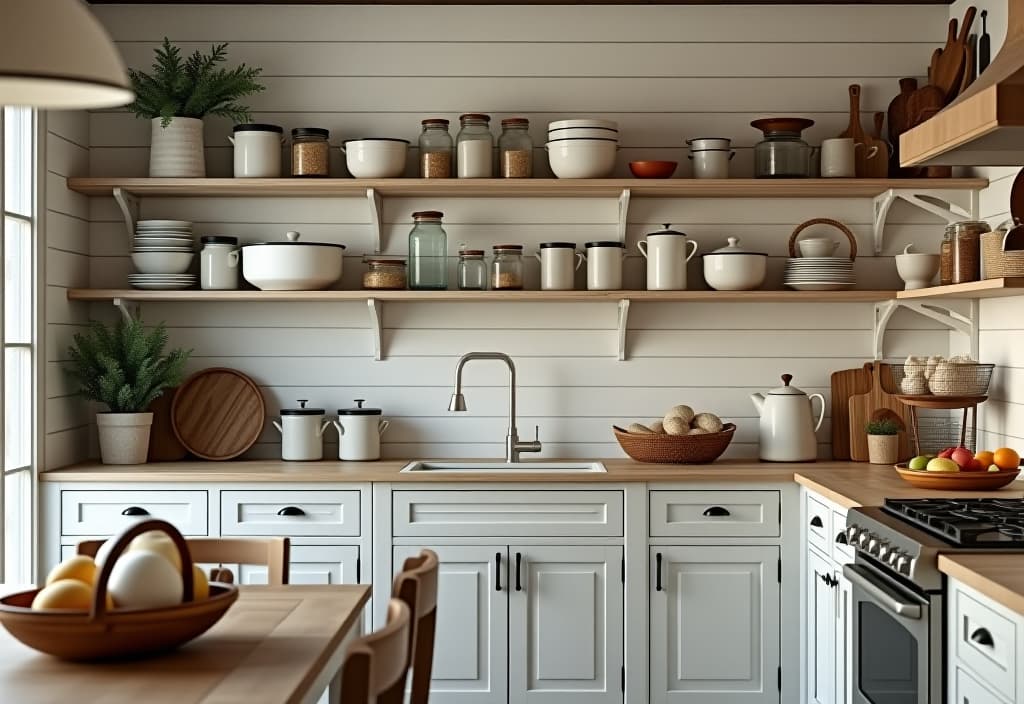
(291, 265)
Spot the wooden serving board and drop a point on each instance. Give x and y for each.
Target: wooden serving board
(164, 445)
(218, 413)
(845, 383)
(863, 408)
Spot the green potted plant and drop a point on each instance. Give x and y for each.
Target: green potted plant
(883, 441)
(176, 97)
(124, 367)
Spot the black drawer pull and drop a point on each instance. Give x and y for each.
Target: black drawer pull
(816, 522)
(291, 511)
(519, 564)
(657, 573)
(841, 538)
(497, 571)
(716, 511)
(134, 511)
(983, 637)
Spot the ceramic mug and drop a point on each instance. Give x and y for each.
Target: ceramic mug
(839, 157)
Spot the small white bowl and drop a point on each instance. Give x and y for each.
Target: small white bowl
(818, 247)
(582, 158)
(375, 158)
(162, 262)
(917, 270)
(583, 133)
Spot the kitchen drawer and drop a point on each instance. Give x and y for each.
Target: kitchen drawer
(290, 513)
(970, 691)
(842, 552)
(103, 513)
(985, 641)
(714, 514)
(818, 521)
(508, 513)
(312, 564)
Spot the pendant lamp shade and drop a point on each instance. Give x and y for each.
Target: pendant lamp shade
(55, 54)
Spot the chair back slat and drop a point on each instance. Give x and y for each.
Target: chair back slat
(416, 585)
(376, 665)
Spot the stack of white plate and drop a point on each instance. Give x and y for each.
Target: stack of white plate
(162, 252)
(819, 273)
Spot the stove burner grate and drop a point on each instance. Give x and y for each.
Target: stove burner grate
(986, 522)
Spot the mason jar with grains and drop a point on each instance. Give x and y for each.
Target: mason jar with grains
(310, 151)
(515, 148)
(967, 250)
(435, 149)
(474, 147)
(507, 267)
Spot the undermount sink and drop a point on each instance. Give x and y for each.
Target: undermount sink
(505, 467)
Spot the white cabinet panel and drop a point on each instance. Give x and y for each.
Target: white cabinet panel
(968, 690)
(985, 641)
(312, 564)
(714, 624)
(565, 625)
(844, 639)
(290, 513)
(471, 643)
(103, 513)
(819, 523)
(821, 631)
(715, 513)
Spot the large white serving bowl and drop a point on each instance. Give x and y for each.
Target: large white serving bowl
(162, 262)
(734, 268)
(582, 158)
(290, 265)
(585, 122)
(375, 158)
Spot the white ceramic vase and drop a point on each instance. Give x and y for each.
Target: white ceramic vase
(124, 437)
(176, 151)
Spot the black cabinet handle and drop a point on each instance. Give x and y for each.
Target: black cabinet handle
(519, 564)
(816, 522)
(983, 637)
(829, 580)
(134, 511)
(291, 511)
(716, 511)
(657, 572)
(497, 571)
(841, 538)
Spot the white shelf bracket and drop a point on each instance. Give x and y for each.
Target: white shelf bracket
(623, 215)
(129, 205)
(130, 315)
(964, 324)
(623, 320)
(373, 307)
(951, 206)
(375, 202)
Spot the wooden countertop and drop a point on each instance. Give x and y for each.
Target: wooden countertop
(999, 576)
(871, 485)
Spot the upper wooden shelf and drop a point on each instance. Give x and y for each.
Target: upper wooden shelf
(534, 187)
(989, 288)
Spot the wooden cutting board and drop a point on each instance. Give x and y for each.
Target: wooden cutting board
(898, 121)
(878, 165)
(948, 69)
(218, 413)
(863, 407)
(845, 383)
(164, 445)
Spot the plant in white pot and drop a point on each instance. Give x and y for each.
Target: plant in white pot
(125, 368)
(176, 97)
(883, 441)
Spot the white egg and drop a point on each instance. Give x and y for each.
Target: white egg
(103, 552)
(144, 580)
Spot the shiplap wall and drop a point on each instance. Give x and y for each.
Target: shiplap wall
(665, 73)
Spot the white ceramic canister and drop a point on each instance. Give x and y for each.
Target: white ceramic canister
(666, 254)
(711, 163)
(257, 150)
(218, 263)
(176, 150)
(359, 431)
(558, 264)
(604, 265)
(302, 433)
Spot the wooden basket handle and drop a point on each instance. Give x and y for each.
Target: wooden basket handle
(121, 543)
(823, 221)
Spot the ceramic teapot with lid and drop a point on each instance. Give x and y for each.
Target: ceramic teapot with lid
(787, 430)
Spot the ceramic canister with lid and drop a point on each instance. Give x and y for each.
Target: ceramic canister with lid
(257, 150)
(734, 268)
(667, 252)
(302, 432)
(218, 263)
(558, 264)
(359, 431)
(604, 265)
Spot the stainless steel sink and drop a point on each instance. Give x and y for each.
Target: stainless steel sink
(423, 467)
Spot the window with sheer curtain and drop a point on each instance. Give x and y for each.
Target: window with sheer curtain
(18, 313)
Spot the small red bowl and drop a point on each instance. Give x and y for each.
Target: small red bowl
(653, 169)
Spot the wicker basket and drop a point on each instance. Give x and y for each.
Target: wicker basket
(948, 379)
(998, 261)
(675, 449)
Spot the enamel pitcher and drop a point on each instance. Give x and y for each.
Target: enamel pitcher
(787, 425)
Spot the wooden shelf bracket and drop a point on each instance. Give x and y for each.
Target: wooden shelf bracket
(959, 205)
(964, 324)
(129, 205)
(374, 308)
(623, 321)
(376, 204)
(623, 214)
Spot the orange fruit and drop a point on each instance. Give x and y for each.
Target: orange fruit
(985, 457)
(80, 567)
(1005, 458)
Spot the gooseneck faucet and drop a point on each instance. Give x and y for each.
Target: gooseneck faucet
(458, 403)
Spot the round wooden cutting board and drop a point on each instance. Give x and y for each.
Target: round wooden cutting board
(218, 413)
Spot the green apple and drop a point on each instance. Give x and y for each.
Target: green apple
(994, 468)
(942, 464)
(919, 462)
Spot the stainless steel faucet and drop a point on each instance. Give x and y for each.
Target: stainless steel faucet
(458, 403)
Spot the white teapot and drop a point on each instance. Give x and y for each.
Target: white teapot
(787, 432)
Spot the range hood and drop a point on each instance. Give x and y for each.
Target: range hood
(985, 125)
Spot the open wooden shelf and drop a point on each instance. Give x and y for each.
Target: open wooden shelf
(533, 188)
(989, 288)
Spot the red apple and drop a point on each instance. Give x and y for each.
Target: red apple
(947, 453)
(963, 457)
(976, 465)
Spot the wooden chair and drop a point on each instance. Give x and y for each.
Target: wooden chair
(416, 585)
(376, 665)
(272, 552)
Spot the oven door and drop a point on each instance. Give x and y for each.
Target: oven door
(897, 646)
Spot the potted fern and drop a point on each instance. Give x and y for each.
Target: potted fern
(125, 368)
(883, 441)
(176, 97)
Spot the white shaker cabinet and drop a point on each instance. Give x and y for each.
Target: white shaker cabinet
(821, 631)
(714, 624)
(312, 564)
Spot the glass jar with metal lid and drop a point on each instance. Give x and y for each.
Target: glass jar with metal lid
(428, 252)
(310, 151)
(435, 149)
(472, 270)
(967, 250)
(385, 275)
(507, 267)
(515, 148)
(474, 146)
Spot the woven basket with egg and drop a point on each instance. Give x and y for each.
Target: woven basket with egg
(937, 376)
(681, 437)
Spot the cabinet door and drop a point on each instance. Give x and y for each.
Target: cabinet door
(714, 624)
(312, 564)
(844, 639)
(471, 643)
(565, 625)
(821, 631)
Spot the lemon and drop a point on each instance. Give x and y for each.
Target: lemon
(200, 584)
(80, 567)
(64, 594)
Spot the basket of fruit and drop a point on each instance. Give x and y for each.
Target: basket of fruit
(681, 437)
(135, 600)
(958, 376)
(958, 469)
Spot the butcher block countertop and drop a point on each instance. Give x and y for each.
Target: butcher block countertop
(998, 576)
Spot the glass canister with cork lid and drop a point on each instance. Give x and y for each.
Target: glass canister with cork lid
(472, 270)
(474, 146)
(384, 275)
(967, 250)
(435, 149)
(507, 267)
(515, 148)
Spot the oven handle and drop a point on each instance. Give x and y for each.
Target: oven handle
(886, 597)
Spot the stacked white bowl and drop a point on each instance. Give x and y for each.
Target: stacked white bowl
(162, 252)
(582, 148)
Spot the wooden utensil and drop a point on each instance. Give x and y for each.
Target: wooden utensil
(984, 44)
(923, 103)
(879, 123)
(863, 406)
(968, 77)
(845, 383)
(218, 413)
(948, 71)
(854, 128)
(1017, 197)
(899, 121)
(164, 445)
(878, 165)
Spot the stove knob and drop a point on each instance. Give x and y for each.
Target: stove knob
(893, 557)
(903, 564)
(862, 539)
(878, 547)
(884, 550)
(851, 534)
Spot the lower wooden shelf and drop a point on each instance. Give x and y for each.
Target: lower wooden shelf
(989, 288)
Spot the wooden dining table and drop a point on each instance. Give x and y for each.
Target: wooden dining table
(275, 645)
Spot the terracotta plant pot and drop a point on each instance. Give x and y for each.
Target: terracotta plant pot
(883, 449)
(124, 437)
(176, 151)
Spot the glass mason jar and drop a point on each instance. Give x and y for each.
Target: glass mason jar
(310, 151)
(474, 146)
(507, 267)
(782, 153)
(967, 250)
(384, 275)
(428, 252)
(435, 149)
(515, 148)
(946, 256)
(472, 270)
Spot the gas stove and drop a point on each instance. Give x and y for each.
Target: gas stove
(995, 523)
